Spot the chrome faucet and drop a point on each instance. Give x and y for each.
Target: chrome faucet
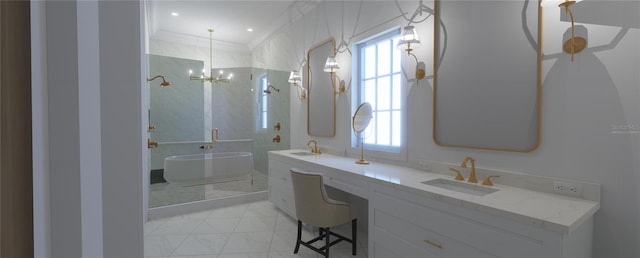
(215, 134)
(314, 149)
(472, 175)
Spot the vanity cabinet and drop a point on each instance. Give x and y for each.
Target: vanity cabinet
(405, 220)
(404, 224)
(280, 187)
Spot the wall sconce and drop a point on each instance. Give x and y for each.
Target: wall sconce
(409, 39)
(574, 44)
(331, 66)
(164, 82)
(203, 77)
(295, 80)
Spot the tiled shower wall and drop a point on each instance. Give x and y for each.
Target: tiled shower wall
(177, 110)
(183, 111)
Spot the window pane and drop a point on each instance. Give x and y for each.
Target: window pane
(384, 58)
(383, 127)
(384, 91)
(397, 92)
(397, 64)
(380, 83)
(370, 92)
(370, 132)
(369, 62)
(396, 131)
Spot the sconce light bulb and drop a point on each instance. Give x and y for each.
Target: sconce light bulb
(190, 72)
(221, 71)
(203, 70)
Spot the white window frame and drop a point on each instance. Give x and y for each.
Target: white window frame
(373, 150)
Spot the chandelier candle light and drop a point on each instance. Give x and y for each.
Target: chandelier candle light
(203, 77)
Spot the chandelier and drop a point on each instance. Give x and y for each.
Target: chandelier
(203, 77)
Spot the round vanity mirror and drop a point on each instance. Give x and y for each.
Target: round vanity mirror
(361, 120)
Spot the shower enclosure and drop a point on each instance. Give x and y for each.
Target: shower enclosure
(185, 117)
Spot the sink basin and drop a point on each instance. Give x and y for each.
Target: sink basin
(303, 153)
(460, 187)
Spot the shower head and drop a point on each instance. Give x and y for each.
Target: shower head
(271, 87)
(164, 82)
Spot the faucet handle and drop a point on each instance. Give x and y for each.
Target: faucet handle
(459, 176)
(487, 181)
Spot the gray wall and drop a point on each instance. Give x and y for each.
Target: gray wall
(92, 171)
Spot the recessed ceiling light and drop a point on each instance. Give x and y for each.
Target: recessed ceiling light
(249, 29)
(175, 14)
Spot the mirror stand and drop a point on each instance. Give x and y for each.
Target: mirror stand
(361, 120)
(361, 161)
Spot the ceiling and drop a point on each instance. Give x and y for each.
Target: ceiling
(229, 20)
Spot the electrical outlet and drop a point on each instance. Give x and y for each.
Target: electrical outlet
(566, 188)
(425, 165)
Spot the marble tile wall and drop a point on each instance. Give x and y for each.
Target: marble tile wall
(187, 110)
(176, 110)
(278, 103)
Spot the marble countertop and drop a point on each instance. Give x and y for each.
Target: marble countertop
(549, 211)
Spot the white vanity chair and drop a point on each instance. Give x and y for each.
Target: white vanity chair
(315, 208)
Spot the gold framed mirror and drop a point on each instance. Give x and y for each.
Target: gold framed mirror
(321, 100)
(487, 82)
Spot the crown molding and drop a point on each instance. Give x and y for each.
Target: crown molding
(191, 40)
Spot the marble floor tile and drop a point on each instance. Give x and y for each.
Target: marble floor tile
(253, 230)
(162, 246)
(236, 211)
(217, 225)
(254, 242)
(256, 224)
(206, 244)
(177, 226)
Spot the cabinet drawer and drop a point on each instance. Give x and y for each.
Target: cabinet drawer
(347, 183)
(428, 243)
(281, 183)
(386, 245)
(283, 201)
(446, 225)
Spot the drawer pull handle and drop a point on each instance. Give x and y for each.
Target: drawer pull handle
(283, 199)
(433, 244)
(283, 179)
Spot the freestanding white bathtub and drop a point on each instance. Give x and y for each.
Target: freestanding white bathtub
(208, 167)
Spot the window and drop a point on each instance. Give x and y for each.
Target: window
(264, 103)
(379, 77)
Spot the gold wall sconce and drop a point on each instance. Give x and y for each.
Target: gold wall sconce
(203, 77)
(574, 44)
(164, 82)
(408, 41)
(331, 66)
(296, 80)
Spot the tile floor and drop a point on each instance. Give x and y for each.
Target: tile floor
(249, 230)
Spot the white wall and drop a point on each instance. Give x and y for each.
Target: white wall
(584, 103)
(221, 58)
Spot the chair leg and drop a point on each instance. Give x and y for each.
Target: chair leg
(354, 234)
(320, 234)
(298, 240)
(328, 243)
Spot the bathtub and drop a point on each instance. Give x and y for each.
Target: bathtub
(208, 167)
